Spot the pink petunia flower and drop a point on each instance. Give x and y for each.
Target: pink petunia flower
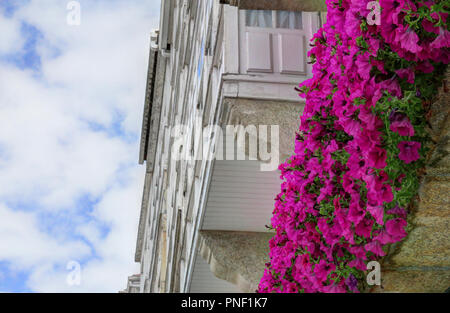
(425, 67)
(339, 105)
(429, 26)
(335, 289)
(377, 212)
(323, 269)
(443, 40)
(358, 264)
(406, 73)
(409, 151)
(364, 228)
(396, 228)
(392, 86)
(358, 251)
(401, 124)
(364, 66)
(384, 238)
(408, 39)
(379, 194)
(398, 211)
(375, 247)
(377, 158)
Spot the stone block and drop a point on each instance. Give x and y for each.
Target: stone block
(419, 280)
(428, 244)
(434, 199)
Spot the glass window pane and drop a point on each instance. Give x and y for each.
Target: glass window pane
(289, 20)
(259, 18)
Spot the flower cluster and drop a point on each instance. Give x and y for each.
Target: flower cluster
(362, 141)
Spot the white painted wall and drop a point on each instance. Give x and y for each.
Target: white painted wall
(212, 56)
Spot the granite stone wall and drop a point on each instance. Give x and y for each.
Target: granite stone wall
(421, 263)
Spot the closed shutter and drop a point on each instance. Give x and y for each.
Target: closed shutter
(275, 41)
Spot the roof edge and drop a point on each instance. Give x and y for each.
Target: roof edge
(284, 5)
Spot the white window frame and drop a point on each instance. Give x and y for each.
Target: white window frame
(310, 25)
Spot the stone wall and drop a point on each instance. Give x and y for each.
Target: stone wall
(284, 114)
(237, 257)
(421, 263)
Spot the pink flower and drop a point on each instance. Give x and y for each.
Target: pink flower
(401, 124)
(392, 86)
(387, 29)
(429, 26)
(302, 263)
(408, 39)
(378, 192)
(396, 228)
(323, 269)
(406, 73)
(443, 40)
(377, 212)
(351, 126)
(390, 7)
(355, 212)
(409, 151)
(364, 228)
(364, 66)
(289, 287)
(335, 185)
(372, 122)
(425, 67)
(384, 238)
(398, 211)
(358, 264)
(352, 24)
(367, 142)
(335, 289)
(375, 248)
(386, 193)
(358, 252)
(377, 158)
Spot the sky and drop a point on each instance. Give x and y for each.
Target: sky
(71, 103)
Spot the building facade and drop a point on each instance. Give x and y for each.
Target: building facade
(209, 194)
(216, 64)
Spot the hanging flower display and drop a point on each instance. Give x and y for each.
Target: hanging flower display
(361, 144)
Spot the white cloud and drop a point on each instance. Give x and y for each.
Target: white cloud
(24, 245)
(11, 40)
(101, 52)
(118, 209)
(64, 136)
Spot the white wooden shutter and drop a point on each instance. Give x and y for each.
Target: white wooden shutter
(259, 52)
(280, 49)
(291, 50)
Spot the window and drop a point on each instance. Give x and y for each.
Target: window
(266, 19)
(290, 20)
(275, 42)
(258, 18)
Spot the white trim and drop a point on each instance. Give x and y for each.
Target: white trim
(231, 41)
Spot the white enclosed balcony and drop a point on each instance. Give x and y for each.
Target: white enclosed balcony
(265, 52)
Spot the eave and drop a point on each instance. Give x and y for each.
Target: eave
(282, 5)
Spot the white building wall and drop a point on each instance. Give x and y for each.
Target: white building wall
(200, 45)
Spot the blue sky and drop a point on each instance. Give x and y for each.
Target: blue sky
(71, 101)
